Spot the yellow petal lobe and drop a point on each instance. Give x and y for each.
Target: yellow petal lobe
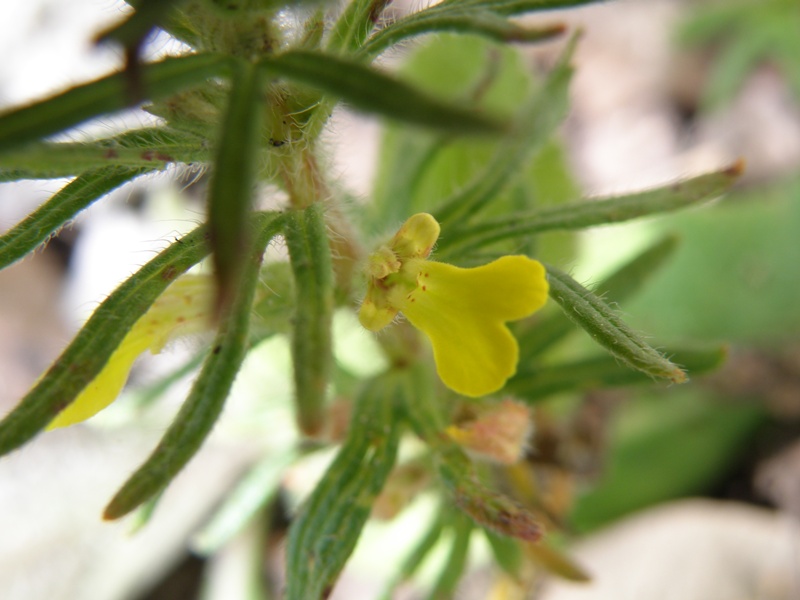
(416, 237)
(184, 308)
(464, 313)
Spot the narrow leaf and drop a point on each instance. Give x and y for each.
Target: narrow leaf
(617, 287)
(596, 212)
(37, 227)
(507, 552)
(589, 312)
(354, 25)
(457, 20)
(474, 16)
(416, 557)
(108, 94)
(370, 90)
(88, 353)
(244, 503)
(232, 184)
(486, 507)
(330, 522)
(603, 371)
(151, 147)
(207, 397)
(516, 7)
(310, 256)
(456, 561)
(536, 124)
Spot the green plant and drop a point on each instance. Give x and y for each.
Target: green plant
(746, 35)
(470, 141)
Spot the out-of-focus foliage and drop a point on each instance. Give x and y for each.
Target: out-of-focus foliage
(746, 34)
(470, 137)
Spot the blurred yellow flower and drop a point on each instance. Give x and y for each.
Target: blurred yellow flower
(462, 311)
(183, 309)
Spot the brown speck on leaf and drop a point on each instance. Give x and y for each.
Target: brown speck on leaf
(110, 153)
(169, 273)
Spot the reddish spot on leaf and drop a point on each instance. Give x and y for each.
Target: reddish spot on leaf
(169, 273)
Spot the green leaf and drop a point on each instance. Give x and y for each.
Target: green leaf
(151, 147)
(324, 534)
(145, 396)
(456, 561)
(741, 57)
(416, 557)
(207, 397)
(534, 127)
(102, 96)
(417, 166)
(743, 35)
(37, 227)
(142, 517)
(244, 503)
(605, 327)
(312, 354)
(664, 448)
(456, 471)
(734, 276)
(404, 157)
(456, 20)
(232, 187)
(484, 17)
(354, 25)
(507, 552)
(88, 353)
(543, 333)
(275, 301)
(194, 112)
(548, 181)
(515, 7)
(53, 160)
(597, 212)
(371, 90)
(534, 384)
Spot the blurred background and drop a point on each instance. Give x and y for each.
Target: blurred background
(693, 492)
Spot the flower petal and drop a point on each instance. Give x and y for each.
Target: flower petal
(104, 388)
(463, 312)
(183, 308)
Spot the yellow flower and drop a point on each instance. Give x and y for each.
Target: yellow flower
(184, 308)
(462, 311)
